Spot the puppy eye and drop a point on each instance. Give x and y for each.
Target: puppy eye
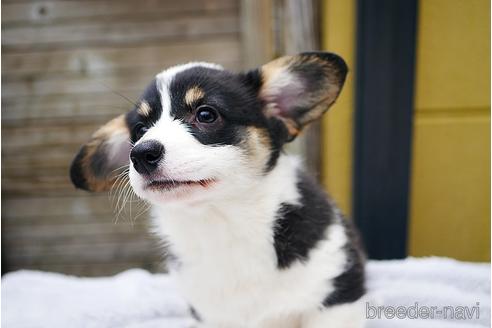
(140, 129)
(206, 114)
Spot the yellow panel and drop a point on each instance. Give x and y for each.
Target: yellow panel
(338, 27)
(450, 184)
(450, 207)
(453, 56)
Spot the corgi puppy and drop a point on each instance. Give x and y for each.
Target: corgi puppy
(255, 241)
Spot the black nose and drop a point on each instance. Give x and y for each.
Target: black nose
(146, 156)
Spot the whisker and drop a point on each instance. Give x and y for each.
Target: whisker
(127, 196)
(146, 207)
(120, 179)
(126, 167)
(120, 206)
(117, 93)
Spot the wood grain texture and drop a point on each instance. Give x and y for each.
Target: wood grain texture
(48, 12)
(64, 64)
(104, 60)
(117, 33)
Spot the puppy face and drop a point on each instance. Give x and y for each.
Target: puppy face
(199, 131)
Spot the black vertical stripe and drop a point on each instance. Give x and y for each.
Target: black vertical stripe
(386, 31)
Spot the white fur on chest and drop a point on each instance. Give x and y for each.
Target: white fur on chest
(228, 265)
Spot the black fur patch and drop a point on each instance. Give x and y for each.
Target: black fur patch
(299, 228)
(350, 285)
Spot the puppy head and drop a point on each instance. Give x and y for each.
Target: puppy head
(199, 130)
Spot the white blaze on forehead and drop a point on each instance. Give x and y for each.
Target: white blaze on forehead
(164, 79)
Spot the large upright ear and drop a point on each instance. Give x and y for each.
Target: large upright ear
(99, 161)
(299, 89)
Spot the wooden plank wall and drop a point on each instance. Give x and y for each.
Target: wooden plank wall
(63, 64)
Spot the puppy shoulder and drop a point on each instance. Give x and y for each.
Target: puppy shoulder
(300, 226)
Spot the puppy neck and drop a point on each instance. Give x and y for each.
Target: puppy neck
(242, 223)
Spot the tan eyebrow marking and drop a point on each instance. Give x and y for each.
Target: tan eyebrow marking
(193, 94)
(144, 109)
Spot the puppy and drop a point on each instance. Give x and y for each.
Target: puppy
(256, 242)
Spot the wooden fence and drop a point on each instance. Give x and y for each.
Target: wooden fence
(63, 65)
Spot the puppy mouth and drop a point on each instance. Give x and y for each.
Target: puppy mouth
(169, 184)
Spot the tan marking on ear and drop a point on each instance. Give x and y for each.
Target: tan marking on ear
(106, 132)
(277, 69)
(116, 125)
(193, 94)
(144, 109)
(271, 69)
(292, 127)
(274, 75)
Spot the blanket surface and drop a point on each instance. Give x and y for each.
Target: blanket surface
(420, 293)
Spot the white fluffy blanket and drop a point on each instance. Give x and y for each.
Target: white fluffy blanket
(136, 298)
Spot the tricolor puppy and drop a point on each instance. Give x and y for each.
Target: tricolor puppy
(256, 242)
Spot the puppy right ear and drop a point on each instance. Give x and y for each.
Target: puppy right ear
(297, 90)
(100, 160)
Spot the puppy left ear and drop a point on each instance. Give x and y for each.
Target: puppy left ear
(99, 161)
(299, 89)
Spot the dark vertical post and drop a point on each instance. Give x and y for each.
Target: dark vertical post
(386, 37)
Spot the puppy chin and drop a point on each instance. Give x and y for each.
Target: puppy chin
(161, 195)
